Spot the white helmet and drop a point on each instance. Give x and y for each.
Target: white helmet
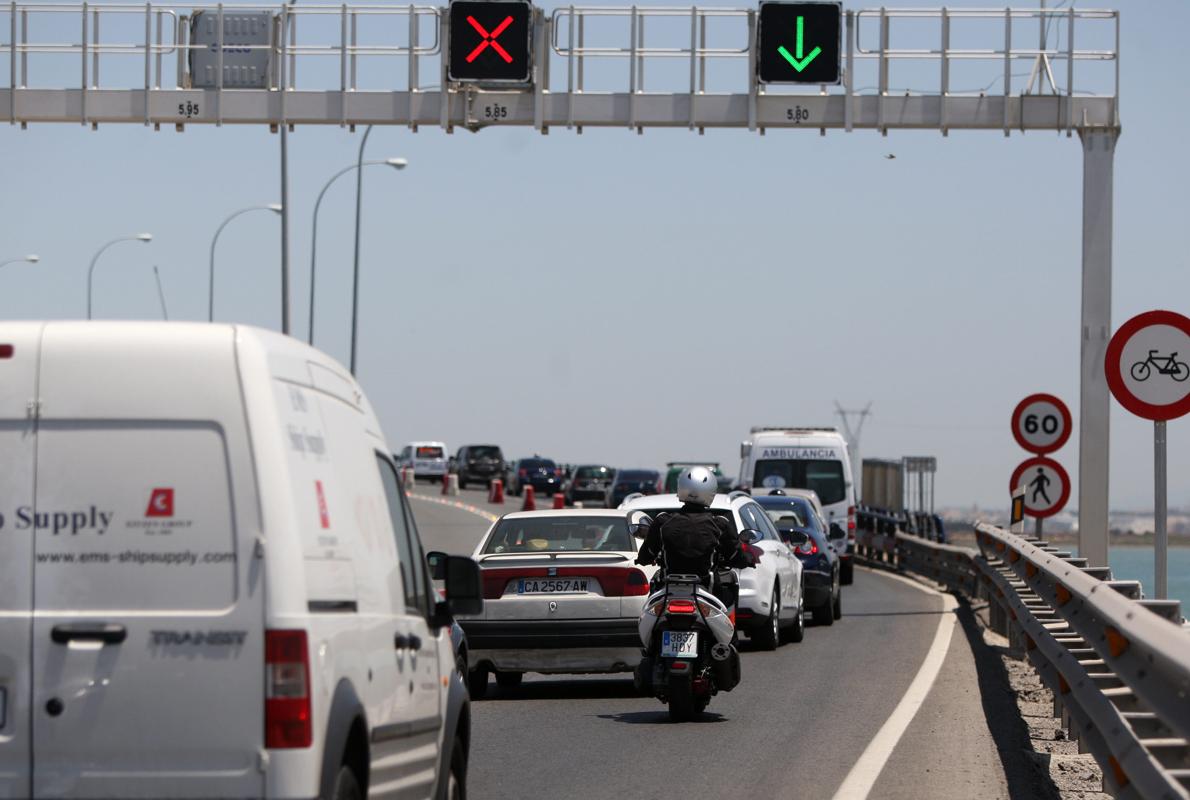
(697, 485)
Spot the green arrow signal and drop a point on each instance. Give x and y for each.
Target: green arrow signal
(797, 62)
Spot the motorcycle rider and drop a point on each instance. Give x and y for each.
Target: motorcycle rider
(693, 541)
(692, 536)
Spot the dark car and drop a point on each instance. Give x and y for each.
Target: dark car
(589, 483)
(479, 463)
(804, 531)
(632, 481)
(541, 473)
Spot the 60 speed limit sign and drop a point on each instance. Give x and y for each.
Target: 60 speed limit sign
(1041, 423)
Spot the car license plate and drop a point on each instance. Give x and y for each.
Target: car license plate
(551, 585)
(679, 644)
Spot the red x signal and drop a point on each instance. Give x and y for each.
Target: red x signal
(489, 40)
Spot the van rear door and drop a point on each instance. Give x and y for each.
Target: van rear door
(148, 659)
(18, 387)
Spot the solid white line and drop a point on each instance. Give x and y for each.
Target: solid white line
(867, 769)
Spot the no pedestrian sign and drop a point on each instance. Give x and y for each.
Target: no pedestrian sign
(1041, 423)
(1148, 364)
(1046, 485)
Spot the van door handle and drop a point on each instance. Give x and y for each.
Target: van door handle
(414, 641)
(105, 632)
(401, 641)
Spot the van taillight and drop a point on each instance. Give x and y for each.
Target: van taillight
(287, 722)
(851, 519)
(5, 351)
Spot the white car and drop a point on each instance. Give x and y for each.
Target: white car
(211, 581)
(562, 595)
(771, 601)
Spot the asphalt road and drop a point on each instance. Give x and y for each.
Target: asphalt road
(794, 728)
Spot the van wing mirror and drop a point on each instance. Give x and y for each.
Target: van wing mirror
(837, 532)
(436, 561)
(463, 587)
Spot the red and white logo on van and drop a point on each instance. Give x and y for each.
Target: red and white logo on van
(323, 515)
(161, 503)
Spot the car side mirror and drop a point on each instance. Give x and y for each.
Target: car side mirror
(749, 536)
(837, 532)
(463, 588)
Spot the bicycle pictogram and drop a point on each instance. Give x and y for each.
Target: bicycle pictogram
(1165, 365)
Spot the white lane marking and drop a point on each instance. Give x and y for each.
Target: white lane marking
(867, 769)
(489, 516)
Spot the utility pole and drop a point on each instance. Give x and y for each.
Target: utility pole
(852, 434)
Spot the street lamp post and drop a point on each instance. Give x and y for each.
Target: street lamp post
(274, 207)
(32, 259)
(395, 163)
(140, 237)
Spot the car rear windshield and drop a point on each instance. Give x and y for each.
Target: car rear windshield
(429, 452)
(636, 476)
(485, 451)
(537, 463)
(824, 477)
(588, 473)
(786, 516)
(557, 534)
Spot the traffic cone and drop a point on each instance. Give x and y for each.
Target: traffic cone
(559, 500)
(450, 485)
(496, 491)
(530, 503)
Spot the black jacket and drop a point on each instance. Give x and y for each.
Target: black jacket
(694, 540)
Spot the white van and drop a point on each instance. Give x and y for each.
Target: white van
(210, 582)
(804, 458)
(427, 459)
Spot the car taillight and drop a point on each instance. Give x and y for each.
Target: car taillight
(522, 472)
(557, 472)
(6, 351)
(287, 721)
(679, 606)
(809, 549)
(636, 585)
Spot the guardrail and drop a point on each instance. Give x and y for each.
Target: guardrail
(1118, 664)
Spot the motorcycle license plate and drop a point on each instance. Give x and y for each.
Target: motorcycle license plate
(679, 644)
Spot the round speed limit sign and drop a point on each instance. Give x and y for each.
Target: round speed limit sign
(1041, 423)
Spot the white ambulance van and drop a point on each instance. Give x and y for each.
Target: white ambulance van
(211, 584)
(804, 458)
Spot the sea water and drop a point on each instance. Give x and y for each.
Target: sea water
(1136, 564)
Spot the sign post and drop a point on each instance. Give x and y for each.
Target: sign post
(1147, 371)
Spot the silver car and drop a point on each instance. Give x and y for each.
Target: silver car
(562, 595)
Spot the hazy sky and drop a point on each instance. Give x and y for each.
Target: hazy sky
(638, 299)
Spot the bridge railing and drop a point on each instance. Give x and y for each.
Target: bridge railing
(1118, 664)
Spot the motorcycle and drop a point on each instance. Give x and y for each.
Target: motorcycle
(689, 641)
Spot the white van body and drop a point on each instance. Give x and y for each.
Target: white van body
(428, 459)
(802, 458)
(172, 497)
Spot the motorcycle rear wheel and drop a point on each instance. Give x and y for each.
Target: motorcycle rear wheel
(682, 705)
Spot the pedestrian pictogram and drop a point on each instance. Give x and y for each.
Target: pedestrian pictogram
(798, 42)
(1146, 365)
(1045, 483)
(490, 40)
(1041, 423)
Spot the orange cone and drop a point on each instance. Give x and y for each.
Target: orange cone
(530, 503)
(559, 500)
(496, 492)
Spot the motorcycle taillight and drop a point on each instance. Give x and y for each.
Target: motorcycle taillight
(680, 606)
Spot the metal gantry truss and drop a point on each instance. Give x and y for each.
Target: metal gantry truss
(314, 54)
